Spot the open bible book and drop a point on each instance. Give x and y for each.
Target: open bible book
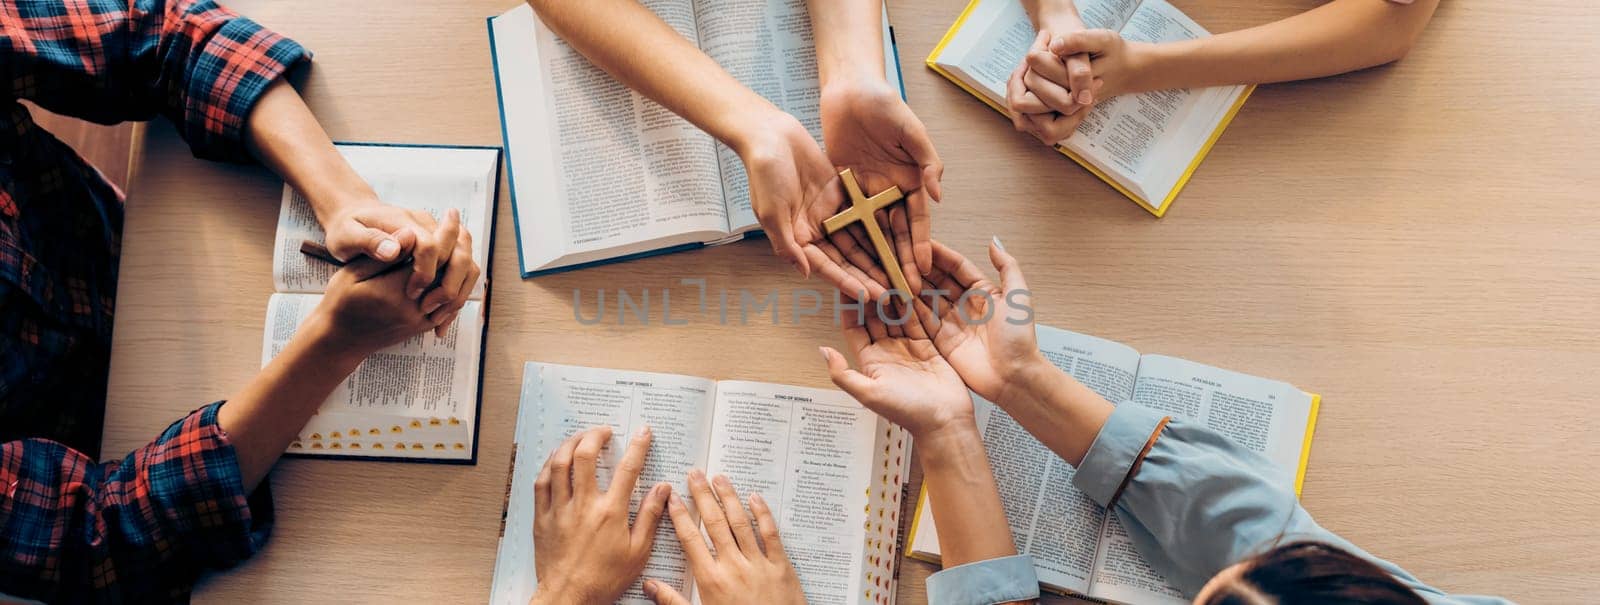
(831, 470)
(600, 173)
(417, 399)
(1077, 547)
(1144, 145)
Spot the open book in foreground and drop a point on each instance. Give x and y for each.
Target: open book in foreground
(600, 173)
(1144, 145)
(1077, 547)
(417, 399)
(830, 469)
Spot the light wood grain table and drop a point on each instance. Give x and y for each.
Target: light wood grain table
(1418, 243)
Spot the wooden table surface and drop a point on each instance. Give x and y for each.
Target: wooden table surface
(1418, 243)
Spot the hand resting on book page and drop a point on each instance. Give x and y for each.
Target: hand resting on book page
(364, 309)
(743, 568)
(587, 552)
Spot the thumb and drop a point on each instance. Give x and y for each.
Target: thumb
(1092, 41)
(853, 382)
(365, 241)
(663, 594)
(1010, 273)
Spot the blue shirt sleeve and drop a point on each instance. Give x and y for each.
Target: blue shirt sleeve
(1001, 580)
(1198, 502)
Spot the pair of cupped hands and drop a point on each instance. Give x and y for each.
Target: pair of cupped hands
(915, 363)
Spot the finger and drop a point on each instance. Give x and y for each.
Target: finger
(922, 152)
(875, 327)
(874, 286)
(913, 326)
(432, 250)
(541, 488)
(1080, 80)
(663, 594)
(855, 255)
(1010, 273)
(780, 232)
(964, 271)
(832, 273)
(928, 322)
(911, 250)
(373, 242)
(457, 268)
(1054, 95)
(1015, 90)
(854, 383)
(1091, 41)
(586, 460)
(770, 538)
(711, 515)
(743, 531)
(362, 269)
(1057, 127)
(651, 508)
(442, 318)
(892, 314)
(694, 547)
(627, 474)
(561, 471)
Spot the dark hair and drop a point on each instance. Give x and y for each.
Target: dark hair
(1313, 572)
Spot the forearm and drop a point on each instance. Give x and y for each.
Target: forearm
(1061, 412)
(264, 417)
(1053, 15)
(655, 60)
(966, 503)
(282, 133)
(849, 41)
(1337, 37)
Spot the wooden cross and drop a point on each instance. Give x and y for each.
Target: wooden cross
(863, 209)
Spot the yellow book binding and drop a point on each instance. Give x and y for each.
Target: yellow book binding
(1156, 209)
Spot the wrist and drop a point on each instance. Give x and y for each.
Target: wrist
(326, 346)
(1033, 381)
(1146, 65)
(332, 201)
(1057, 16)
(954, 436)
(760, 131)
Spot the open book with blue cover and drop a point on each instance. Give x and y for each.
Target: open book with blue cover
(599, 173)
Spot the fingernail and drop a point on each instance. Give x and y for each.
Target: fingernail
(756, 498)
(415, 293)
(697, 474)
(650, 588)
(824, 353)
(431, 308)
(644, 431)
(999, 245)
(722, 481)
(388, 249)
(1085, 97)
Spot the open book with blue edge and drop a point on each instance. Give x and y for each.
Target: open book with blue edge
(599, 174)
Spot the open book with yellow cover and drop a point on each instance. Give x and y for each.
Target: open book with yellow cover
(1076, 546)
(1144, 145)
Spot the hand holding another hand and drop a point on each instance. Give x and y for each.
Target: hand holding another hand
(442, 274)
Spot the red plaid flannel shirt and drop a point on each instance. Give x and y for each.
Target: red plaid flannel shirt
(139, 529)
